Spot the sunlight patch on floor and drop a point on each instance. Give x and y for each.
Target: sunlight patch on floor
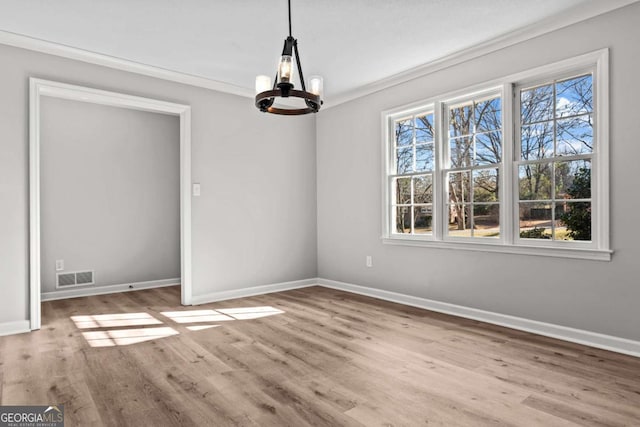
(201, 327)
(114, 320)
(115, 337)
(247, 313)
(126, 336)
(196, 316)
(221, 314)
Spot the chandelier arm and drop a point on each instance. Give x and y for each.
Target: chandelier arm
(295, 49)
(286, 49)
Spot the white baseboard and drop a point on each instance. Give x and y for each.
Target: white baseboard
(579, 336)
(107, 289)
(11, 328)
(256, 290)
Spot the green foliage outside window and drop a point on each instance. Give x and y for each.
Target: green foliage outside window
(578, 218)
(535, 233)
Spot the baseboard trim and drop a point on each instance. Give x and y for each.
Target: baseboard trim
(12, 328)
(255, 290)
(107, 289)
(579, 336)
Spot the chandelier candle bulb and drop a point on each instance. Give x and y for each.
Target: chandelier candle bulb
(284, 71)
(315, 85)
(263, 83)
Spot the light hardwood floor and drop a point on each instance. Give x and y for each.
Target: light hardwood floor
(312, 356)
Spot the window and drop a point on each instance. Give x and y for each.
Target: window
(554, 165)
(412, 178)
(472, 167)
(516, 165)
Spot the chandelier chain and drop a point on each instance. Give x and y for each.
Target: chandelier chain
(290, 18)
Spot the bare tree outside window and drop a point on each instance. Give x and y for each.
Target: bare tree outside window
(413, 182)
(475, 154)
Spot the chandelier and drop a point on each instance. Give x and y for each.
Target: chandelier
(266, 94)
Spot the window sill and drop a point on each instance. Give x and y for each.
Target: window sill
(577, 253)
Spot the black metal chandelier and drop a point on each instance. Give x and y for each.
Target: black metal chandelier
(283, 87)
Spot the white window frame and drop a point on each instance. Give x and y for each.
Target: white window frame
(391, 172)
(445, 167)
(509, 241)
(595, 167)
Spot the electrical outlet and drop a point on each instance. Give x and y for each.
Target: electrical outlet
(369, 261)
(59, 264)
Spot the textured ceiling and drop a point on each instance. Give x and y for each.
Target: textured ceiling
(350, 43)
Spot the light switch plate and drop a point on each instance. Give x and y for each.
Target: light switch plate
(196, 189)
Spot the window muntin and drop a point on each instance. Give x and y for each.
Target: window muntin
(556, 147)
(412, 174)
(473, 167)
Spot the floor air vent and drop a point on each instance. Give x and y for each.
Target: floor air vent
(76, 278)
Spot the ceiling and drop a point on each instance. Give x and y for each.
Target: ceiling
(351, 43)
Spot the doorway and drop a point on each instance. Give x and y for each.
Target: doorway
(43, 88)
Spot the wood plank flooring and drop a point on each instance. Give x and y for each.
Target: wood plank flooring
(313, 356)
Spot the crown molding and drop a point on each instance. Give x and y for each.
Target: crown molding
(50, 48)
(570, 17)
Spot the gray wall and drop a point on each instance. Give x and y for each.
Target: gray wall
(596, 296)
(255, 222)
(110, 192)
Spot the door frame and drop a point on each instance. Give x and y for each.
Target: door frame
(39, 88)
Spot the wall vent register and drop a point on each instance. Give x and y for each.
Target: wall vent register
(75, 278)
